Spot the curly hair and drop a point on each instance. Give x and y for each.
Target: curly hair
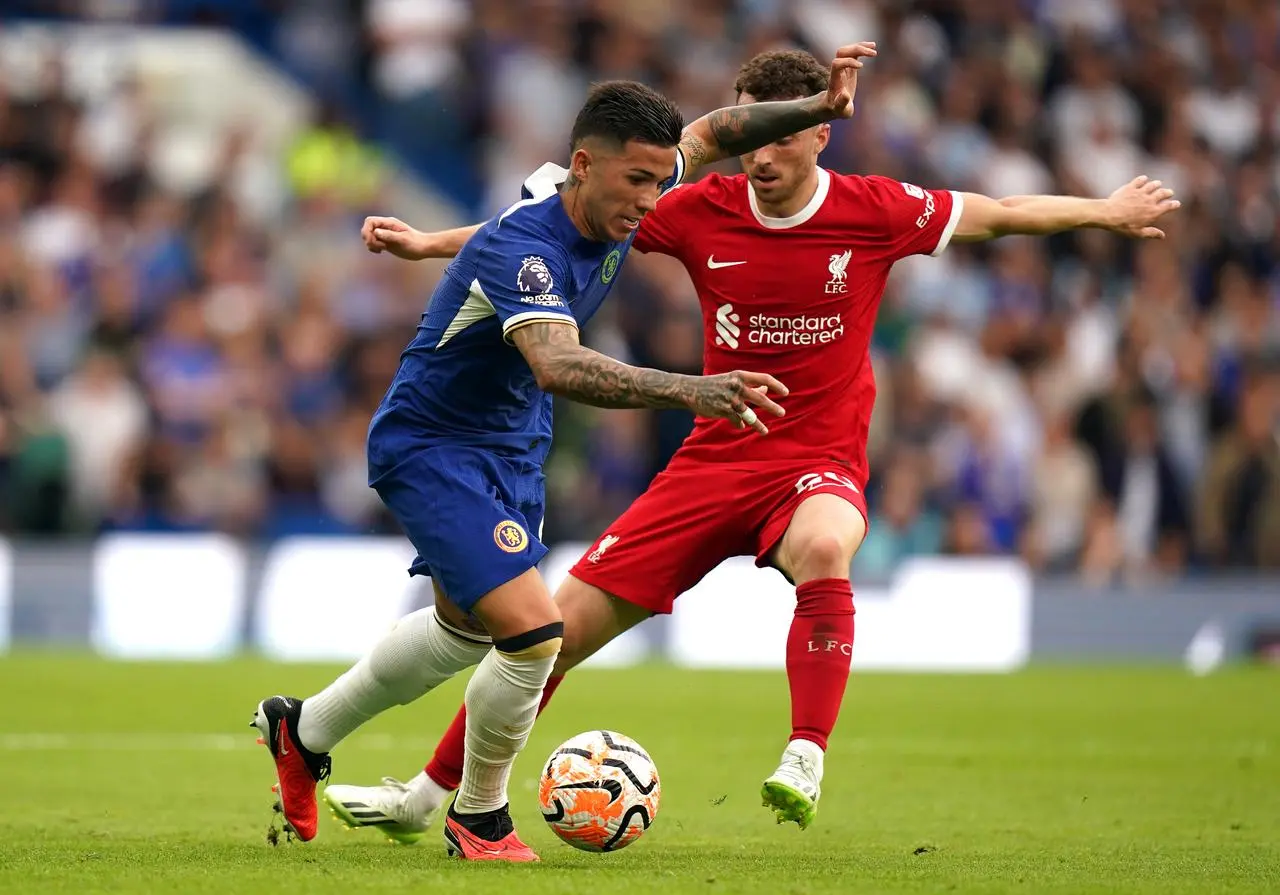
(782, 74)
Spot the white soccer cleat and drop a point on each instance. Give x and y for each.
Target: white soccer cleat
(388, 808)
(792, 792)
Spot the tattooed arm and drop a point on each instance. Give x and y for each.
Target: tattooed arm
(736, 130)
(563, 366)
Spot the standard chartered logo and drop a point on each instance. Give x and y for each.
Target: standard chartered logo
(727, 330)
(766, 329)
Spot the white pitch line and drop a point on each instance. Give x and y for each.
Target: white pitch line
(169, 742)
(923, 747)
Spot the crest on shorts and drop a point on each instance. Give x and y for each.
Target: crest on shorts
(609, 269)
(510, 537)
(605, 543)
(534, 276)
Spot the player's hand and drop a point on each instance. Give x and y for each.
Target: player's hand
(1138, 205)
(844, 77)
(736, 396)
(393, 235)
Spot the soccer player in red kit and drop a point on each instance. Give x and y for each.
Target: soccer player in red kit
(790, 262)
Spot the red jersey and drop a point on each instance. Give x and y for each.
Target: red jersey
(796, 298)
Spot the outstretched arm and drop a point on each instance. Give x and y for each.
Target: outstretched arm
(724, 133)
(1132, 210)
(384, 234)
(563, 366)
(735, 130)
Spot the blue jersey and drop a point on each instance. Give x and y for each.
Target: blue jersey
(456, 448)
(461, 381)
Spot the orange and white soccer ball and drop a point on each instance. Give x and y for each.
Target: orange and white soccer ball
(599, 791)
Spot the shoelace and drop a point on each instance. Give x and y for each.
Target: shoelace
(402, 792)
(802, 762)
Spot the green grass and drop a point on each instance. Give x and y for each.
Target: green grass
(1055, 780)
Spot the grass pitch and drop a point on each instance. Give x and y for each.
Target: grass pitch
(145, 778)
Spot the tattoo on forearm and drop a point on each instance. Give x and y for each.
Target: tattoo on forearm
(695, 150)
(573, 371)
(741, 129)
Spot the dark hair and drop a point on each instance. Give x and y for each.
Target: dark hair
(782, 74)
(628, 110)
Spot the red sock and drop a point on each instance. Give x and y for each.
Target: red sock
(445, 766)
(819, 648)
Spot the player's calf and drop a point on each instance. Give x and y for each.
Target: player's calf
(823, 535)
(502, 703)
(819, 649)
(819, 652)
(443, 773)
(420, 652)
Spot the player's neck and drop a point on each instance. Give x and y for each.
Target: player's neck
(576, 209)
(793, 204)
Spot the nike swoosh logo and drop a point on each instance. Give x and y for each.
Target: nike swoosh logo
(474, 841)
(282, 739)
(716, 265)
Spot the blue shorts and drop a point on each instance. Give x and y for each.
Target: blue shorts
(474, 517)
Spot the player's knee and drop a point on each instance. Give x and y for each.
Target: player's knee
(526, 660)
(822, 556)
(542, 642)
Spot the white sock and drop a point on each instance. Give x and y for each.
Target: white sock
(502, 703)
(425, 795)
(415, 656)
(808, 749)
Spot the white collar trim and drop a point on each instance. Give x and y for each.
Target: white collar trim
(801, 216)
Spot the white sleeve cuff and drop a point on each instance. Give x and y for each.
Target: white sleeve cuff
(515, 321)
(957, 209)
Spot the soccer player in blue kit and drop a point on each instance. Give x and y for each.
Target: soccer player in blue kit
(457, 446)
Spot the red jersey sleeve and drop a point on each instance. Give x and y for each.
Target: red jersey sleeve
(916, 221)
(663, 230)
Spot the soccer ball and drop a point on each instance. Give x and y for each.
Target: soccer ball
(599, 791)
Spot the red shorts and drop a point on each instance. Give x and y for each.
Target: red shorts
(695, 516)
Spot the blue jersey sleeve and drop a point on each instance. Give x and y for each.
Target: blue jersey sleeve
(525, 281)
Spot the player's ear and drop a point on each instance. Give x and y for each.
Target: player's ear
(823, 136)
(580, 164)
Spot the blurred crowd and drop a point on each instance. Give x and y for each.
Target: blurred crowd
(1101, 408)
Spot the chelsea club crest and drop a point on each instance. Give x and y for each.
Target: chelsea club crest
(610, 266)
(510, 537)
